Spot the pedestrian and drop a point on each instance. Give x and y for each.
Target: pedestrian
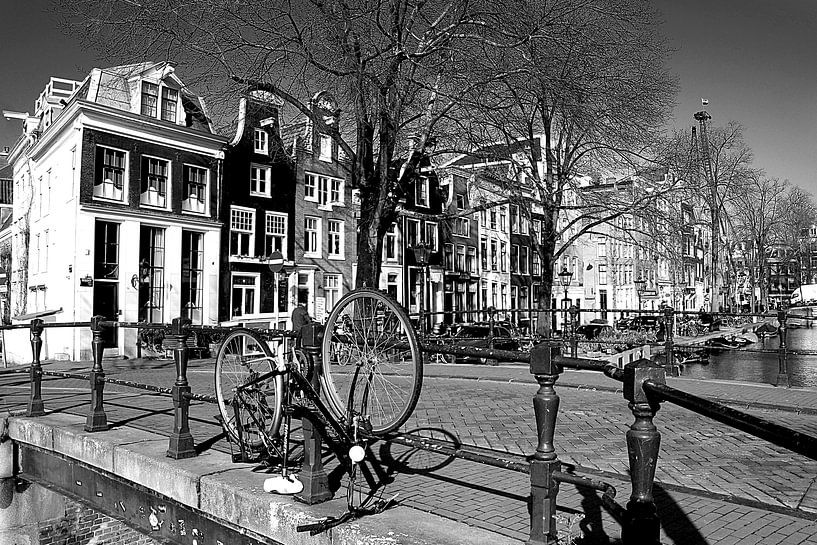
(300, 318)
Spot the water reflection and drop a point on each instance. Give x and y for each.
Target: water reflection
(751, 366)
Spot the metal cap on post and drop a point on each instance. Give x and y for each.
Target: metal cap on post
(643, 444)
(97, 420)
(35, 372)
(181, 440)
(312, 474)
(544, 488)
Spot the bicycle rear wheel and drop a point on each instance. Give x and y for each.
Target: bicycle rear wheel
(372, 362)
(242, 358)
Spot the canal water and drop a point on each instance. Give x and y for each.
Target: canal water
(748, 366)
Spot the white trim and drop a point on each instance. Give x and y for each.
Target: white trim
(242, 116)
(268, 180)
(285, 216)
(125, 176)
(256, 298)
(206, 191)
(319, 237)
(168, 182)
(341, 238)
(251, 232)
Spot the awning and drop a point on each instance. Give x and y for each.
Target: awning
(34, 315)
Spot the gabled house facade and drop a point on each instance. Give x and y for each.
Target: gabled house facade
(325, 214)
(258, 213)
(116, 179)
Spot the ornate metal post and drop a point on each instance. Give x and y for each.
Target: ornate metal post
(35, 372)
(643, 443)
(783, 370)
(669, 345)
(97, 420)
(181, 441)
(313, 475)
(544, 488)
(574, 323)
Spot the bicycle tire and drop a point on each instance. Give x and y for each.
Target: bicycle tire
(385, 354)
(242, 356)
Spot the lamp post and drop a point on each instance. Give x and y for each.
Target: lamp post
(421, 254)
(640, 284)
(564, 279)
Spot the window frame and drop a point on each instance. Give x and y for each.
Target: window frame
(267, 170)
(99, 170)
(285, 242)
(145, 191)
(260, 141)
(256, 295)
(186, 182)
(339, 235)
(249, 232)
(318, 237)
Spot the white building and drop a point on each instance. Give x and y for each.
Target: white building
(115, 209)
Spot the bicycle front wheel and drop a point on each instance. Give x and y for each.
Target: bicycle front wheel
(242, 359)
(372, 365)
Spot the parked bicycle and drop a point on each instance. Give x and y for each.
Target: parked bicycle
(370, 381)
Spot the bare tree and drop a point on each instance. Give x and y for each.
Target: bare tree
(590, 92)
(397, 68)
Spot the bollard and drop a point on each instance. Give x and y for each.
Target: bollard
(544, 463)
(313, 475)
(574, 339)
(641, 526)
(783, 370)
(97, 420)
(181, 441)
(35, 372)
(491, 319)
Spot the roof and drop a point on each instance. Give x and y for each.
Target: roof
(295, 134)
(497, 152)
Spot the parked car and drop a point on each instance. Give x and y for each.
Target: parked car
(477, 335)
(594, 328)
(645, 322)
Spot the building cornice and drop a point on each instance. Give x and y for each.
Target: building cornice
(150, 216)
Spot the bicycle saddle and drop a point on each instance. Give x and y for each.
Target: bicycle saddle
(280, 484)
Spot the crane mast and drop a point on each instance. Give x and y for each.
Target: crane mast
(714, 207)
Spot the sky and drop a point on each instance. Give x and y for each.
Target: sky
(752, 59)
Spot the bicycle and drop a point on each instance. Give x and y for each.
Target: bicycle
(370, 380)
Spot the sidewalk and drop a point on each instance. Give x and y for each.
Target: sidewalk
(714, 484)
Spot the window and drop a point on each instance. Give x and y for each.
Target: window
(390, 243)
(331, 290)
(502, 219)
(449, 257)
(242, 232)
(514, 218)
(514, 258)
(35, 262)
(391, 285)
(312, 236)
(155, 173)
(503, 255)
(192, 276)
(151, 272)
(170, 99)
(304, 289)
(260, 181)
(431, 236)
(106, 250)
(245, 295)
(461, 201)
(335, 239)
(504, 292)
(536, 267)
(602, 249)
(493, 219)
(326, 148)
(109, 181)
(275, 239)
(46, 193)
(494, 256)
(324, 190)
(524, 224)
(421, 192)
(483, 253)
(412, 232)
(260, 142)
(471, 260)
(460, 258)
(44, 254)
(523, 259)
(484, 294)
(150, 99)
(195, 189)
(462, 227)
(514, 297)
(494, 296)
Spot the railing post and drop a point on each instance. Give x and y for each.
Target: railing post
(97, 420)
(491, 318)
(312, 474)
(783, 370)
(35, 372)
(669, 342)
(643, 443)
(574, 339)
(543, 486)
(181, 441)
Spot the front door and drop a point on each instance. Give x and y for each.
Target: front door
(106, 303)
(106, 277)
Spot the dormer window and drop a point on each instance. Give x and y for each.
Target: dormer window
(326, 148)
(170, 101)
(150, 99)
(260, 142)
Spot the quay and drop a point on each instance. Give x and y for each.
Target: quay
(714, 485)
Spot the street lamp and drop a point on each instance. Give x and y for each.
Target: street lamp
(640, 284)
(422, 252)
(564, 279)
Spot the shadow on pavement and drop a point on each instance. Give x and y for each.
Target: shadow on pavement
(674, 521)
